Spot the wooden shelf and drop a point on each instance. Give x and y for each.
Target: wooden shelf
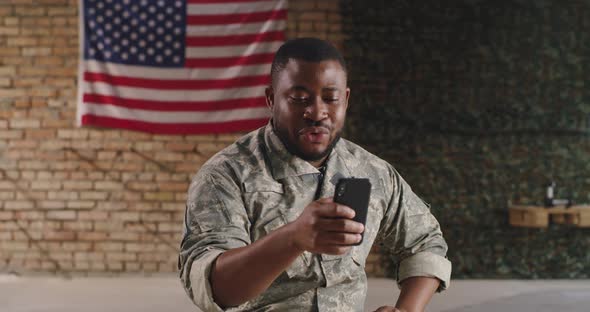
(539, 217)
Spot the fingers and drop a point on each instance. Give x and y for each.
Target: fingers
(339, 239)
(325, 200)
(339, 225)
(333, 210)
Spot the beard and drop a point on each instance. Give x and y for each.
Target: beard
(294, 149)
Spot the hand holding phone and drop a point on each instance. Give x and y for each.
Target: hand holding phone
(354, 193)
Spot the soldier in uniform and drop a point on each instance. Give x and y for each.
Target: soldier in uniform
(261, 230)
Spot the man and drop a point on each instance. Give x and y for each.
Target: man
(261, 230)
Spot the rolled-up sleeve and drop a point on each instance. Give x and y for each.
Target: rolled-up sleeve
(215, 221)
(412, 237)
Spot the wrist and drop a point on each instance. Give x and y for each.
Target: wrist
(290, 231)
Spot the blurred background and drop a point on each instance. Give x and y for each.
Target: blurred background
(478, 104)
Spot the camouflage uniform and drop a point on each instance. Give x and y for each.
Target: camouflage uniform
(255, 186)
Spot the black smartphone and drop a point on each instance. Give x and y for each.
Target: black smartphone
(354, 193)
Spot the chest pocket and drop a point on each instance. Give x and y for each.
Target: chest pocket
(267, 204)
(301, 265)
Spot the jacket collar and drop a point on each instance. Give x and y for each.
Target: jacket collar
(284, 164)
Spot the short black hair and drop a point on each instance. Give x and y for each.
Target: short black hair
(306, 49)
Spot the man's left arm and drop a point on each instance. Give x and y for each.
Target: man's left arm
(415, 294)
(412, 236)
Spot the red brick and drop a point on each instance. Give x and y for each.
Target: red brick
(51, 204)
(59, 236)
(45, 185)
(61, 215)
(93, 215)
(92, 236)
(19, 205)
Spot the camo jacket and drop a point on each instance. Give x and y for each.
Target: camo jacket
(255, 186)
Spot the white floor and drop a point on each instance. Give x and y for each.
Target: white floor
(164, 293)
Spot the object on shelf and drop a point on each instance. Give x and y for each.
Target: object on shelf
(551, 201)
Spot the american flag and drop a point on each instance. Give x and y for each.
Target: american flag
(177, 67)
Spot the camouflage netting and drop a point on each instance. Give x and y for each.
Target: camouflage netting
(478, 103)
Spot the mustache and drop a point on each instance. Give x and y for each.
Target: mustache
(316, 127)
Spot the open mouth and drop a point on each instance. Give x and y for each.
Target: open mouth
(314, 134)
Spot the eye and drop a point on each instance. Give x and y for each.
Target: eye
(331, 100)
(298, 100)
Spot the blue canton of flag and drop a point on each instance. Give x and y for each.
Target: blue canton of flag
(146, 32)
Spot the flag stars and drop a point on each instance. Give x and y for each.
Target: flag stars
(138, 32)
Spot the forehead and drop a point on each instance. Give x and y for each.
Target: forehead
(312, 74)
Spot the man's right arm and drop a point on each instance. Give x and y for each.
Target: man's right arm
(243, 273)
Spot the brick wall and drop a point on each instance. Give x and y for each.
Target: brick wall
(80, 200)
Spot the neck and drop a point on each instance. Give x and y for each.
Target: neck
(318, 163)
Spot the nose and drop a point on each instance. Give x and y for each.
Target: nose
(316, 111)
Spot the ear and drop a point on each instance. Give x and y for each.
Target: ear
(270, 97)
(347, 97)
